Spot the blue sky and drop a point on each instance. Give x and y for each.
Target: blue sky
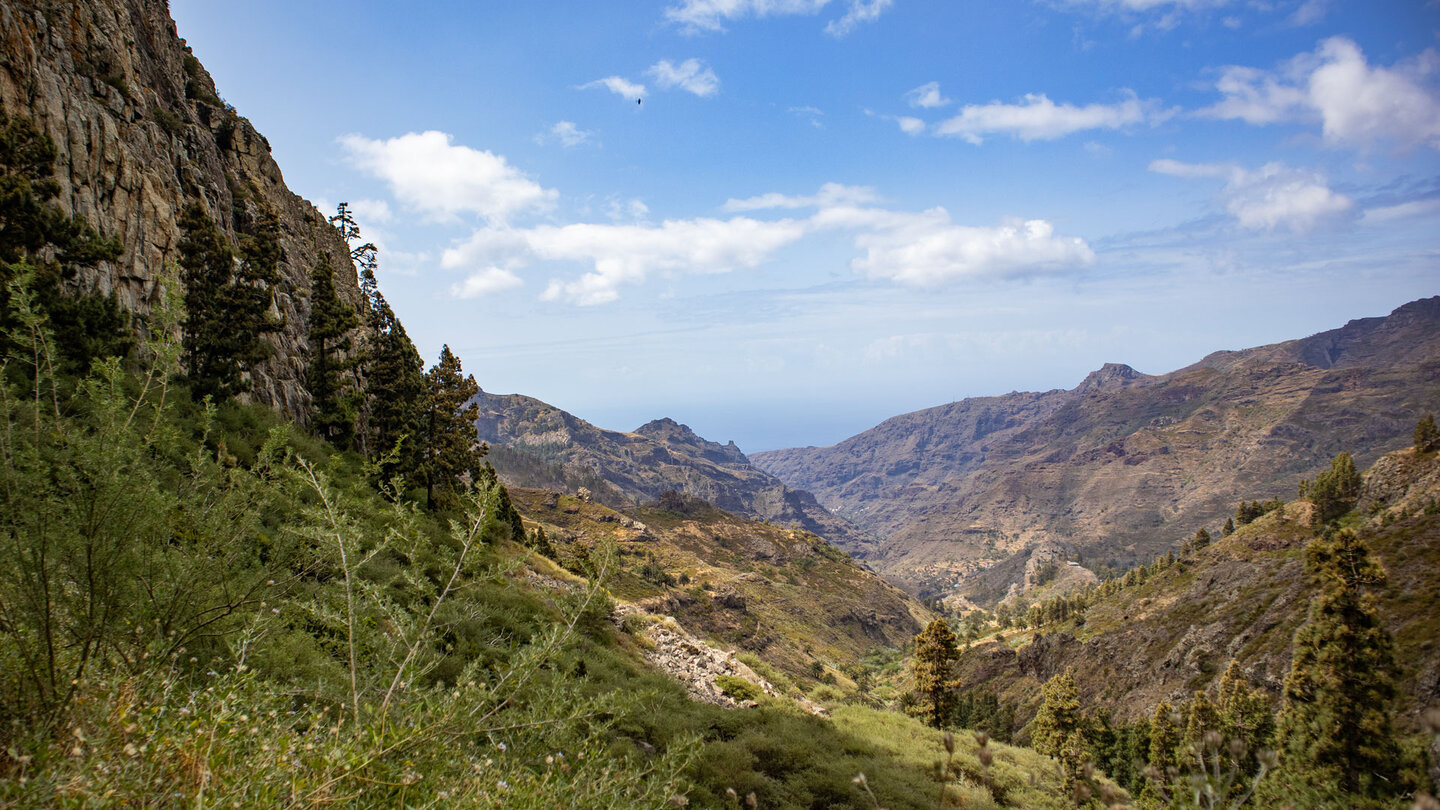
(828, 212)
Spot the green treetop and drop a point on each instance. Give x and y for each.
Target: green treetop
(1335, 726)
(330, 323)
(1334, 491)
(1427, 436)
(448, 447)
(936, 651)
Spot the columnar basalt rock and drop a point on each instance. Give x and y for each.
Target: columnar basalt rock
(141, 130)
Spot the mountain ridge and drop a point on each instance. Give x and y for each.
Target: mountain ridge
(534, 444)
(1124, 465)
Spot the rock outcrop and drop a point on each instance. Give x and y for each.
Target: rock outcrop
(141, 131)
(1124, 466)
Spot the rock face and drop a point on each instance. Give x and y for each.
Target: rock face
(1241, 598)
(141, 131)
(538, 445)
(1124, 466)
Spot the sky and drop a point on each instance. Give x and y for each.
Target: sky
(782, 221)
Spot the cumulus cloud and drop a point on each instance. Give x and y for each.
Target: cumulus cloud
(566, 132)
(692, 76)
(1040, 119)
(697, 16)
(928, 250)
(860, 11)
(623, 255)
(1270, 198)
(927, 96)
(428, 172)
(830, 195)
(711, 15)
(484, 282)
(1355, 103)
(617, 85)
(921, 249)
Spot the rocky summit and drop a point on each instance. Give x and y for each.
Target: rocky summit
(1125, 465)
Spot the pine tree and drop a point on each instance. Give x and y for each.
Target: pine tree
(39, 239)
(1164, 740)
(1201, 717)
(331, 320)
(1059, 714)
(936, 652)
(1229, 527)
(1427, 436)
(1201, 539)
(1244, 717)
(225, 307)
(1334, 491)
(1335, 726)
(448, 447)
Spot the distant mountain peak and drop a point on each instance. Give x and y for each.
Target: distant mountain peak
(1109, 377)
(663, 425)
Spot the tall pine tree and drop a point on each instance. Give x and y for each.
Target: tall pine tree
(1335, 727)
(1244, 717)
(448, 448)
(226, 306)
(936, 651)
(330, 323)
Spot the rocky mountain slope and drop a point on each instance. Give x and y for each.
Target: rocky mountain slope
(1241, 598)
(1125, 465)
(782, 594)
(538, 445)
(141, 131)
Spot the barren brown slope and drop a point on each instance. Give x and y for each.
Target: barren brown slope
(538, 445)
(1241, 598)
(781, 593)
(1125, 465)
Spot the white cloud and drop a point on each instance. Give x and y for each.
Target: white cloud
(566, 132)
(1310, 12)
(633, 210)
(910, 125)
(861, 11)
(1405, 210)
(371, 211)
(1039, 118)
(1270, 198)
(623, 255)
(1355, 103)
(711, 15)
(486, 282)
(812, 114)
(927, 96)
(429, 173)
(617, 85)
(927, 250)
(691, 76)
(829, 196)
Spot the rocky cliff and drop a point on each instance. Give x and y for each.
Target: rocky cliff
(538, 445)
(1125, 465)
(141, 131)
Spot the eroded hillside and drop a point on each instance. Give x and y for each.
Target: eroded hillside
(1125, 465)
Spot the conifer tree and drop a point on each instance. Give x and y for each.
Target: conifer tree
(1229, 527)
(448, 447)
(1201, 717)
(1335, 726)
(331, 320)
(1059, 715)
(225, 307)
(1244, 716)
(38, 238)
(1164, 740)
(1334, 491)
(936, 652)
(1427, 436)
(1201, 539)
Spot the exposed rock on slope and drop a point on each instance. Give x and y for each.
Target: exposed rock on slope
(782, 594)
(538, 445)
(1240, 598)
(1125, 465)
(141, 131)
